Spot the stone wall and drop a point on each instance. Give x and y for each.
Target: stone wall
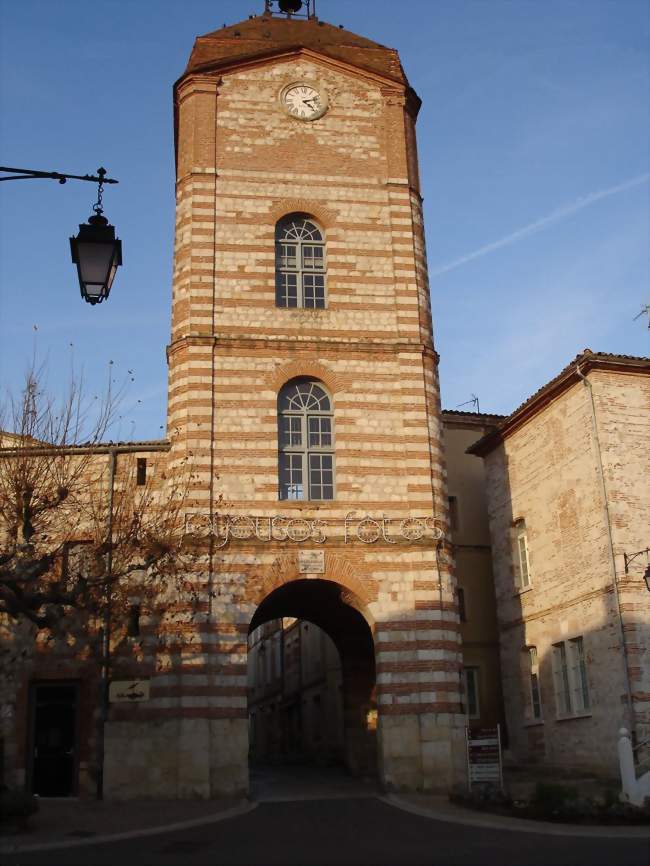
(622, 404)
(470, 535)
(547, 472)
(243, 163)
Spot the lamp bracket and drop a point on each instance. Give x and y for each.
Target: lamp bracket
(630, 557)
(30, 173)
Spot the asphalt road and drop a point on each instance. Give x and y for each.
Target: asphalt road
(346, 832)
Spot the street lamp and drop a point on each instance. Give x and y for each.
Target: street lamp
(96, 251)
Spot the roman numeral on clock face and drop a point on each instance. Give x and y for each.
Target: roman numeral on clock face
(303, 101)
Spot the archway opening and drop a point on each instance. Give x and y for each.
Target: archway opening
(311, 680)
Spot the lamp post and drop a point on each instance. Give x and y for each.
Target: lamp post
(96, 251)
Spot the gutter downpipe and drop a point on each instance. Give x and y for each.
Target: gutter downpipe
(106, 636)
(612, 557)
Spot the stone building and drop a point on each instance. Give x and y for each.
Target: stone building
(569, 500)
(50, 694)
(303, 397)
(470, 536)
(303, 391)
(303, 384)
(294, 666)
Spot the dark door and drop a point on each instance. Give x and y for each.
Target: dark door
(54, 739)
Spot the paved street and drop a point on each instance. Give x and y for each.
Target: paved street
(347, 825)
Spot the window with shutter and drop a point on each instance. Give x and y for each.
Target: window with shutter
(570, 677)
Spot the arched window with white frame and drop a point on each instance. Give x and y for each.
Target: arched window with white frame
(306, 441)
(300, 264)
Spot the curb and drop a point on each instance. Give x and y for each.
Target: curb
(516, 825)
(242, 809)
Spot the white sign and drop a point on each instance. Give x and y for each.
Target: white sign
(311, 561)
(128, 691)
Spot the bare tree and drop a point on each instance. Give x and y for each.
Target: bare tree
(76, 530)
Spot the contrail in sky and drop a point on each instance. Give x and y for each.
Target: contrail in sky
(542, 223)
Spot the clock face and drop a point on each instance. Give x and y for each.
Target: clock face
(303, 101)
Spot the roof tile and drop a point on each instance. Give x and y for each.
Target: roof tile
(263, 35)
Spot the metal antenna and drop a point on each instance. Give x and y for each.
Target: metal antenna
(645, 311)
(473, 401)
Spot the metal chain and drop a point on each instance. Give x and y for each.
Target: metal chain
(97, 207)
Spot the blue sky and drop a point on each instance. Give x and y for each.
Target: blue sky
(534, 151)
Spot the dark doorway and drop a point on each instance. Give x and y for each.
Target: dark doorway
(54, 739)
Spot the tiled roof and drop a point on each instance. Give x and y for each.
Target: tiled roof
(585, 356)
(486, 415)
(585, 361)
(263, 35)
(140, 443)
(479, 421)
(143, 445)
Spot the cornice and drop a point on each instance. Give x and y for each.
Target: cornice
(286, 54)
(301, 344)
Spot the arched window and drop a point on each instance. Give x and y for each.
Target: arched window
(299, 263)
(306, 439)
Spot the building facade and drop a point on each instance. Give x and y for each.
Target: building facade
(303, 389)
(334, 515)
(294, 672)
(569, 500)
(470, 536)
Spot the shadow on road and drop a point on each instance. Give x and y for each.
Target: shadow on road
(285, 783)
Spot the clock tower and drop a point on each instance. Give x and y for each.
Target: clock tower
(303, 388)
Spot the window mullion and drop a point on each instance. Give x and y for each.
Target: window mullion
(299, 271)
(305, 455)
(305, 469)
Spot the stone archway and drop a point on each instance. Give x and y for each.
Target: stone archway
(340, 609)
(343, 570)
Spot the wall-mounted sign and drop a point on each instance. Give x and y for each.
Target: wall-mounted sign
(366, 529)
(128, 691)
(311, 561)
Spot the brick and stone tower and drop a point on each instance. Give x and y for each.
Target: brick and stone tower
(303, 385)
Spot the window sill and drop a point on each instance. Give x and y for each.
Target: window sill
(306, 504)
(302, 309)
(573, 716)
(521, 591)
(533, 723)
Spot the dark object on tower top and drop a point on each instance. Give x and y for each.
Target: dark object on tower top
(290, 6)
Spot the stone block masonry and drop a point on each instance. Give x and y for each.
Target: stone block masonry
(388, 602)
(573, 465)
(243, 164)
